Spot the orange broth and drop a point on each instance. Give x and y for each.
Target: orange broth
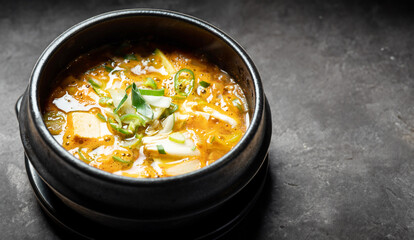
(180, 113)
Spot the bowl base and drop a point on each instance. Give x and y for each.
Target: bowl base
(69, 223)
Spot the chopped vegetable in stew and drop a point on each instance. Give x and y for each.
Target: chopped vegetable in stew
(146, 111)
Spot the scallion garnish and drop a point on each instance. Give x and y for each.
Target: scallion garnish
(168, 111)
(82, 157)
(96, 85)
(178, 97)
(116, 117)
(132, 126)
(211, 139)
(150, 92)
(138, 102)
(150, 83)
(237, 103)
(235, 137)
(177, 137)
(116, 158)
(131, 57)
(106, 101)
(204, 84)
(131, 118)
(100, 116)
(120, 129)
(108, 68)
(94, 82)
(161, 149)
(184, 82)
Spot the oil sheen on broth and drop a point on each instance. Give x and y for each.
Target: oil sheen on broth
(144, 110)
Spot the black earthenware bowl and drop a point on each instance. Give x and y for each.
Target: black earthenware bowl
(144, 204)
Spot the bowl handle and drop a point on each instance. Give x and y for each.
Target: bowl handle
(17, 106)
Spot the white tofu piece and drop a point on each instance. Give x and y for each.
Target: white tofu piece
(185, 167)
(171, 149)
(87, 125)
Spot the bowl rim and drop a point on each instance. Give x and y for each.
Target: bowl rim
(34, 107)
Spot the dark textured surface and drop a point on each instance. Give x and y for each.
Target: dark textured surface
(339, 76)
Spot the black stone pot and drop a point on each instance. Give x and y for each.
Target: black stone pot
(145, 205)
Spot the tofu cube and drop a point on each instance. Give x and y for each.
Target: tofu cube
(87, 125)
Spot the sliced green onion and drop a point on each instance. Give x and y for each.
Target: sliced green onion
(161, 149)
(204, 84)
(99, 92)
(125, 132)
(173, 107)
(108, 68)
(150, 92)
(237, 103)
(178, 97)
(100, 116)
(177, 137)
(116, 158)
(168, 111)
(106, 101)
(127, 118)
(234, 138)
(131, 57)
(132, 126)
(184, 82)
(194, 148)
(114, 116)
(150, 83)
(133, 143)
(82, 157)
(139, 103)
(96, 85)
(94, 82)
(120, 129)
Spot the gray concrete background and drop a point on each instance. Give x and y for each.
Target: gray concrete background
(339, 76)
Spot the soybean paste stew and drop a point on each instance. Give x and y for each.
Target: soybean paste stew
(141, 110)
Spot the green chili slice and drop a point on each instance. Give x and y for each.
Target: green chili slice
(204, 84)
(184, 82)
(116, 158)
(151, 92)
(161, 149)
